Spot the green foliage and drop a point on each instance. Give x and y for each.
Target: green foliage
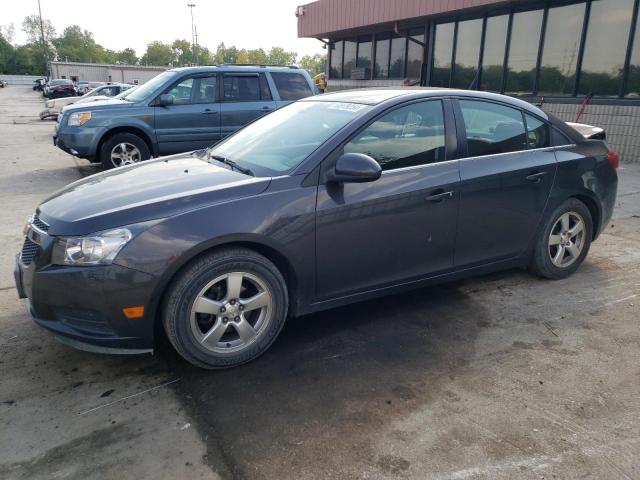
(158, 53)
(314, 64)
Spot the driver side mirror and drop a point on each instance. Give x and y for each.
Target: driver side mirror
(165, 100)
(354, 168)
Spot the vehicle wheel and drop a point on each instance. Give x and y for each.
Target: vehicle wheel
(564, 241)
(123, 149)
(225, 309)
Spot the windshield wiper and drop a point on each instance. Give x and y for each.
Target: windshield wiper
(232, 164)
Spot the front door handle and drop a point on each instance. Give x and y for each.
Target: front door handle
(209, 111)
(266, 109)
(439, 196)
(535, 177)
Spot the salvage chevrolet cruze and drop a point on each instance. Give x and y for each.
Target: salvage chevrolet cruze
(330, 200)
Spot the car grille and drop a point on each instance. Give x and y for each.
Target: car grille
(29, 251)
(39, 224)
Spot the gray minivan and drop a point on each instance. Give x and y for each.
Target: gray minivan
(179, 110)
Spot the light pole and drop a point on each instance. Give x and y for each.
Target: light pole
(193, 41)
(44, 48)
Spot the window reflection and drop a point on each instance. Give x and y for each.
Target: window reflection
(382, 57)
(633, 80)
(561, 47)
(350, 47)
(441, 69)
(414, 54)
(605, 48)
(396, 62)
(336, 60)
(492, 128)
(494, 48)
(467, 54)
(523, 51)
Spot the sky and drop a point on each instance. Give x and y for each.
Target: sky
(118, 24)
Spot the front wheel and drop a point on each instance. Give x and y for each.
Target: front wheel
(123, 149)
(226, 308)
(564, 241)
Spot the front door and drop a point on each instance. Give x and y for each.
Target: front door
(400, 227)
(505, 182)
(245, 97)
(193, 121)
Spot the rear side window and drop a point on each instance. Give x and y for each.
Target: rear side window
(492, 129)
(291, 86)
(559, 139)
(241, 88)
(406, 137)
(537, 132)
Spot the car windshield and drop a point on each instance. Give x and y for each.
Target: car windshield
(59, 82)
(151, 86)
(280, 141)
(125, 93)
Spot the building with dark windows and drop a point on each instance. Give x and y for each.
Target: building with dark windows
(581, 59)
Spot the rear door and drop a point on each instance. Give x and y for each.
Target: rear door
(193, 121)
(245, 97)
(402, 226)
(506, 179)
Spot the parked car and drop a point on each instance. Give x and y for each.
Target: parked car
(60, 87)
(179, 110)
(81, 86)
(91, 85)
(38, 84)
(589, 131)
(330, 200)
(104, 92)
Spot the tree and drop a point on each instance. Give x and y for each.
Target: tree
(315, 64)
(7, 55)
(182, 52)
(278, 56)
(31, 26)
(77, 45)
(127, 56)
(7, 32)
(158, 53)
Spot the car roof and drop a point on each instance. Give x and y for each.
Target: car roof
(237, 68)
(375, 96)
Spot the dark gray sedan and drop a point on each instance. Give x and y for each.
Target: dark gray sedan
(328, 201)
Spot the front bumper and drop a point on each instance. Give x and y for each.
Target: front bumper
(79, 141)
(82, 306)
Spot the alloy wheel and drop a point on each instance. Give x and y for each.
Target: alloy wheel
(125, 154)
(231, 312)
(567, 239)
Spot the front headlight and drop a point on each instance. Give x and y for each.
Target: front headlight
(78, 119)
(99, 249)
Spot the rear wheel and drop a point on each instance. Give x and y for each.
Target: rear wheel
(564, 241)
(123, 149)
(226, 308)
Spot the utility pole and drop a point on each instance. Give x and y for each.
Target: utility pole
(193, 34)
(44, 44)
(195, 50)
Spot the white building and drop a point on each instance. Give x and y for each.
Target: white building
(100, 72)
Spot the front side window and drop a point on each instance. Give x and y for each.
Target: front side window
(241, 88)
(406, 137)
(291, 86)
(492, 128)
(182, 92)
(537, 132)
(194, 90)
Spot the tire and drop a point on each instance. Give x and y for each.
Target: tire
(200, 330)
(558, 256)
(135, 150)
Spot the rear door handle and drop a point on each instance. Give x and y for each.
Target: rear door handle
(535, 177)
(439, 196)
(209, 111)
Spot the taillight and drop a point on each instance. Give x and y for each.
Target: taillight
(614, 159)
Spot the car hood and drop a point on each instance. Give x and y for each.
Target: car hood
(62, 102)
(151, 190)
(100, 105)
